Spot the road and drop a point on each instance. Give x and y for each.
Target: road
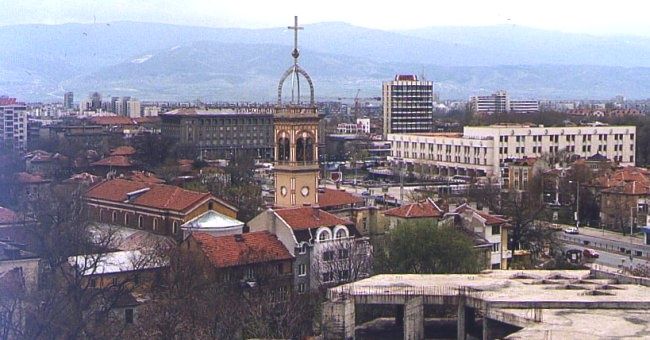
(615, 250)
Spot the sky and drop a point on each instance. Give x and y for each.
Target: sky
(621, 17)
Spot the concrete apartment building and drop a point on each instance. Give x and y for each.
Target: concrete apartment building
(68, 101)
(500, 102)
(482, 151)
(13, 124)
(221, 133)
(408, 105)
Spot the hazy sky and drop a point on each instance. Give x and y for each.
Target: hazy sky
(594, 16)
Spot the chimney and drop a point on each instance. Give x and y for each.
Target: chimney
(316, 209)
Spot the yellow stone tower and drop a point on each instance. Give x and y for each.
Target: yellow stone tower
(296, 139)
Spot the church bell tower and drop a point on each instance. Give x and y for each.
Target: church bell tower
(296, 139)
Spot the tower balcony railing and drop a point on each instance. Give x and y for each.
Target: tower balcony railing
(296, 164)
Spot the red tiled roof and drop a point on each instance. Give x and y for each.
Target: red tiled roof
(158, 196)
(26, 178)
(146, 120)
(146, 177)
(112, 120)
(427, 208)
(331, 197)
(309, 217)
(124, 150)
(8, 216)
(627, 174)
(243, 249)
(489, 218)
(120, 161)
(629, 188)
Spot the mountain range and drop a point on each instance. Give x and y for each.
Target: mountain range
(171, 62)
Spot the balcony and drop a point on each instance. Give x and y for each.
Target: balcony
(288, 165)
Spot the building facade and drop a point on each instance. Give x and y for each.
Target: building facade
(482, 151)
(500, 102)
(408, 105)
(13, 124)
(222, 133)
(68, 101)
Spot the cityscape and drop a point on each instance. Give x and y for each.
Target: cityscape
(322, 180)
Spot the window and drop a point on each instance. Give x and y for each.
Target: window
(496, 246)
(93, 283)
(128, 315)
(344, 253)
(155, 224)
(344, 275)
(341, 233)
(324, 235)
(114, 281)
(114, 217)
(140, 222)
(302, 270)
(303, 249)
(328, 255)
(301, 288)
(175, 227)
(249, 273)
(496, 229)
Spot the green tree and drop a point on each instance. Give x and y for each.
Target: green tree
(419, 248)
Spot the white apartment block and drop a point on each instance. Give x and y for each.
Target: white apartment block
(481, 151)
(500, 102)
(408, 105)
(362, 126)
(13, 126)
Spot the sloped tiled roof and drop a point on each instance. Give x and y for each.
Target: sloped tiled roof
(308, 217)
(629, 188)
(241, 249)
(112, 120)
(146, 177)
(119, 161)
(27, 178)
(489, 218)
(124, 150)
(427, 208)
(8, 216)
(627, 174)
(158, 196)
(331, 197)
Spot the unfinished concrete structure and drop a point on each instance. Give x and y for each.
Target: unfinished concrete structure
(532, 304)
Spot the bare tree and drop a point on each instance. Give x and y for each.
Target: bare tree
(341, 260)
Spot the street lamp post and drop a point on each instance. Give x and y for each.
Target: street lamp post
(577, 212)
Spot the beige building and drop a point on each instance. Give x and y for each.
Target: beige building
(481, 151)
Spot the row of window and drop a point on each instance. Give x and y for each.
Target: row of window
(155, 223)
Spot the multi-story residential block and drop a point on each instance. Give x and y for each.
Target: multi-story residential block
(408, 105)
(222, 133)
(68, 101)
(500, 102)
(482, 151)
(328, 250)
(13, 124)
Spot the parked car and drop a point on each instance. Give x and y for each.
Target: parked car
(571, 230)
(590, 253)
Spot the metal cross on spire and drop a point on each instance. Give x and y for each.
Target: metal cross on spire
(295, 54)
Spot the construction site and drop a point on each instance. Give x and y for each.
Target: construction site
(529, 304)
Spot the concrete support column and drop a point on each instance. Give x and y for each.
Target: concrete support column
(488, 328)
(413, 319)
(338, 319)
(466, 318)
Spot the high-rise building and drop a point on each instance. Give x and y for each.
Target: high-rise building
(133, 108)
(13, 124)
(68, 101)
(408, 105)
(96, 100)
(500, 102)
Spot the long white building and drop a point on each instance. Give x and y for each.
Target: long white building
(500, 102)
(481, 151)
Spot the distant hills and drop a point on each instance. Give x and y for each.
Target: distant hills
(159, 61)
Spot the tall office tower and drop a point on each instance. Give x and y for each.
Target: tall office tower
(68, 101)
(13, 124)
(123, 107)
(96, 100)
(408, 105)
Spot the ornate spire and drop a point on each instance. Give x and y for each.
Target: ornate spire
(295, 71)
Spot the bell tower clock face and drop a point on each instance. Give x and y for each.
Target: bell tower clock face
(304, 191)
